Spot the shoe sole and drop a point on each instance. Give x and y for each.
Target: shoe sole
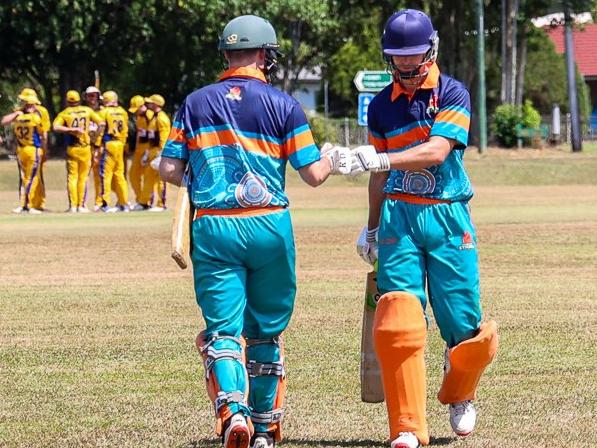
(463, 434)
(238, 437)
(405, 445)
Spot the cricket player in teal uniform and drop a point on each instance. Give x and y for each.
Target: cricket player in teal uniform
(419, 218)
(235, 138)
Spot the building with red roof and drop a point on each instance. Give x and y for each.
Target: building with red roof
(585, 53)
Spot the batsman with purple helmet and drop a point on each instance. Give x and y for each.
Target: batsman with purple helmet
(420, 230)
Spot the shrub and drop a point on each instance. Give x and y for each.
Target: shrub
(530, 116)
(505, 119)
(323, 130)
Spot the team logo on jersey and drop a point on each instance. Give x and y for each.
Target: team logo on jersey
(232, 39)
(433, 107)
(252, 191)
(234, 94)
(467, 242)
(418, 182)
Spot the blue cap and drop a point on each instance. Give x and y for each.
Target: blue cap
(406, 33)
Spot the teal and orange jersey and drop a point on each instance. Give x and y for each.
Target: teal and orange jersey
(28, 129)
(238, 135)
(397, 121)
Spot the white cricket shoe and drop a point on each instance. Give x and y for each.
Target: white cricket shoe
(263, 440)
(71, 210)
(108, 209)
(406, 440)
(83, 210)
(18, 210)
(237, 435)
(156, 209)
(463, 417)
(34, 211)
(139, 207)
(124, 208)
(96, 208)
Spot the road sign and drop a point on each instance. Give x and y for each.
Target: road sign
(364, 100)
(371, 80)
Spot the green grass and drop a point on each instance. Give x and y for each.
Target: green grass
(97, 324)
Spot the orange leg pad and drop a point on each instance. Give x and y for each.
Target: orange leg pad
(466, 363)
(399, 332)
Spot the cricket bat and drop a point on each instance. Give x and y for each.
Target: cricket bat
(371, 384)
(181, 227)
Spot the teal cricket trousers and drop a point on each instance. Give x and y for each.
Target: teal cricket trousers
(244, 273)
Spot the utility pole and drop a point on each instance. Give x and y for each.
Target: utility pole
(571, 74)
(481, 103)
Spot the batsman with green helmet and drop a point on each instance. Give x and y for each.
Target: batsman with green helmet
(236, 137)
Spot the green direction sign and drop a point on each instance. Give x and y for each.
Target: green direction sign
(372, 80)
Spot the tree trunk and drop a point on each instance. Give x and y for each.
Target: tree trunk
(509, 59)
(522, 63)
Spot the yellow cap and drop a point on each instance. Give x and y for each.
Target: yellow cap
(29, 96)
(110, 96)
(72, 96)
(136, 102)
(156, 99)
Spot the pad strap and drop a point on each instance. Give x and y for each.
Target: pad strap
(211, 354)
(226, 398)
(266, 418)
(275, 340)
(275, 368)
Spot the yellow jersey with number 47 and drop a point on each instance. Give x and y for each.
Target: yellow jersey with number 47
(117, 123)
(28, 129)
(78, 117)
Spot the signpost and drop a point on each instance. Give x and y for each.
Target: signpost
(369, 81)
(364, 100)
(372, 80)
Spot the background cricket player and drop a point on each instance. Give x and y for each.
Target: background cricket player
(74, 121)
(92, 99)
(38, 195)
(158, 129)
(30, 136)
(111, 162)
(419, 215)
(237, 136)
(142, 116)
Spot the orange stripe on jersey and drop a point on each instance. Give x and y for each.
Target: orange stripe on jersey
(408, 137)
(380, 144)
(299, 142)
(454, 117)
(229, 137)
(177, 135)
(249, 211)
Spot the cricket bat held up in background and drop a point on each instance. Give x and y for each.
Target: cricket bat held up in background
(181, 227)
(371, 384)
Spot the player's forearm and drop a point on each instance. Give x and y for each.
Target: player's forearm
(377, 182)
(317, 172)
(172, 170)
(7, 119)
(430, 153)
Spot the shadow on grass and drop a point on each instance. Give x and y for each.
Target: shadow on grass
(213, 443)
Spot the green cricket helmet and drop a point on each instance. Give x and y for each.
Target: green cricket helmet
(245, 32)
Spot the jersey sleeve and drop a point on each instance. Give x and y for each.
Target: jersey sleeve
(125, 126)
(59, 120)
(376, 136)
(163, 128)
(45, 119)
(454, 116)
(298, 144)
(176, 146)
(98, 117)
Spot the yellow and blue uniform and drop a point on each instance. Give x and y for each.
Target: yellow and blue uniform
(426, 236)
(38, 196)
(158, 130)
(141, 145)
(78, 150)
(111, 162)
(237, 137)
(28, 129)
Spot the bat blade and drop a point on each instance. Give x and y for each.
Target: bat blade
(371, 384)
(181, 227)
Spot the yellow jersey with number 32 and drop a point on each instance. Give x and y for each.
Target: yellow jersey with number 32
(78, 117)
(28, 129)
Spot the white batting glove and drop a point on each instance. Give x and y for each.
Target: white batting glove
(339, 157)
(367, 245)
(155, 163)
(365, 158)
